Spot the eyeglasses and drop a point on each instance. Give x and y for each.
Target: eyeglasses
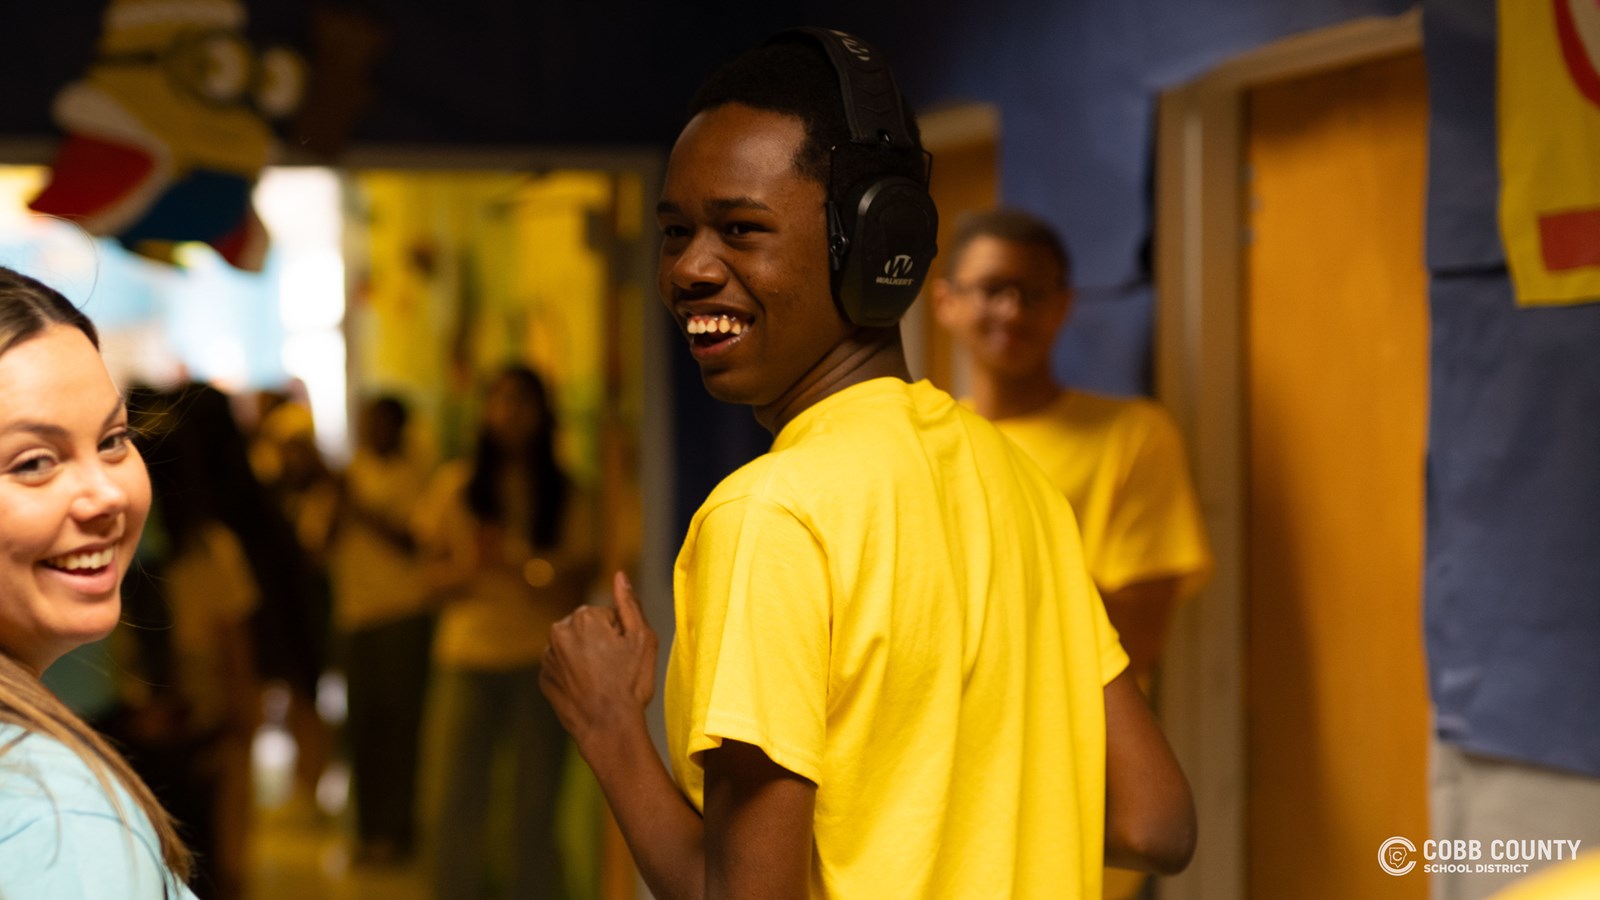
(992, 293)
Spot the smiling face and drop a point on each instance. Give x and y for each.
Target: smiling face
(744, 261)
(1004, 301)
(73, 496)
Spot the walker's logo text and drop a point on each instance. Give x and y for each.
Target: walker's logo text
(1397, 856)
(896, 270)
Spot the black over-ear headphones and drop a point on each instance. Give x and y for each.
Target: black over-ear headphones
(878, 266)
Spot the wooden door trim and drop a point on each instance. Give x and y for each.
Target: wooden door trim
(962, 123)
(930, 351)
(1200, 377)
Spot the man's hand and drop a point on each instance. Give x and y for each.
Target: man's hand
(599, 671)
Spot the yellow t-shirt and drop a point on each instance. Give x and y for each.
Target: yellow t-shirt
(498, 620)
(892, 603)
(1121, 464)
(374, 580)
(210, 587)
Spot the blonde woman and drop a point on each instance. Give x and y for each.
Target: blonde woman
(75, 821)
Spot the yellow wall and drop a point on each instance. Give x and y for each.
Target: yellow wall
(467, 271)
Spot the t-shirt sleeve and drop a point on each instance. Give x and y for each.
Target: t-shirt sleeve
(60, 839)
(759, 641)
(78, 856)
(1155, 529)
(1084, 610)
(1108, 644)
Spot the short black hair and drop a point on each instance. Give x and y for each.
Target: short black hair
(390, 407)
(1008, 225)
(793, 75)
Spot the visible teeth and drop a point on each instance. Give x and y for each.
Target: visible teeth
(719, 324)
(81, 561)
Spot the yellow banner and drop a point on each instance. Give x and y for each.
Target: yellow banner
(1550, 149)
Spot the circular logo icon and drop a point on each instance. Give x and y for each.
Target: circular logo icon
(1397, 856)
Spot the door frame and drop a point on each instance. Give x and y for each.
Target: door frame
(1201, 233)
(930, 350)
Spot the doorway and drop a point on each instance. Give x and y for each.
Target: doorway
(1291, 347)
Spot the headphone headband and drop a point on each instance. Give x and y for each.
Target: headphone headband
(880, 257)
(871, 102)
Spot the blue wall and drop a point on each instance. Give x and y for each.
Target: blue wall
(1512, 581)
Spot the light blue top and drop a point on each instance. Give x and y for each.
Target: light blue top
(61, 837)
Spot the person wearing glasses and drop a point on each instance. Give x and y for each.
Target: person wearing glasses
(1005, 296)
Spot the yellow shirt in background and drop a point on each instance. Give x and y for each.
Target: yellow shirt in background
(892, 603)
(498, 620)
(1121, 464)
(212, 590)
(374, 580)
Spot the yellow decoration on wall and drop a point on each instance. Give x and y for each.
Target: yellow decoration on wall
(1549, 71)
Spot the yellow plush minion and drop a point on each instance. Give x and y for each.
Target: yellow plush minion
(167, 131)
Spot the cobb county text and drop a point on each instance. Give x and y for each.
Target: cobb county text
(1500, 849)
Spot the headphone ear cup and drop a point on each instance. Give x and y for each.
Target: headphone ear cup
(896, 238)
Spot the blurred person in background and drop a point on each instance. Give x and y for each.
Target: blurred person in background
(1005, 296)
(197, 695)
(296, 483)
(385, 623)
(510, 545)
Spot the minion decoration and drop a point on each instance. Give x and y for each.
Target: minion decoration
(168, 130)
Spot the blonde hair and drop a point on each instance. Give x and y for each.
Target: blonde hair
(28, 307)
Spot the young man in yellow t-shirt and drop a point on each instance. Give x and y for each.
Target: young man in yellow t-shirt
(892, 676)
(1120, 461)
